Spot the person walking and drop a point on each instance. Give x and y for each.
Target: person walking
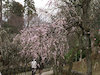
(34, 66)
(0, 73)
(41, 66)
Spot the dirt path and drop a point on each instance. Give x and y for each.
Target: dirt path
(47, 73)
(44, 73)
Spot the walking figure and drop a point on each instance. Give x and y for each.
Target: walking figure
(41, 66)
(34, 66)
(0, 73)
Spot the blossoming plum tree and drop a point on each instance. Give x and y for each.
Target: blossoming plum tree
(44, 40)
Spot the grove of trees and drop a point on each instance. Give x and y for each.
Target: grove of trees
(73, 31)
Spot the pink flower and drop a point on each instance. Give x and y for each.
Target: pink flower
(94, 38)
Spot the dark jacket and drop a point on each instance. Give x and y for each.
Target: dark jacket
(41, 66)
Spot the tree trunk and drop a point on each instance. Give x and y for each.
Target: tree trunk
(71, 62)
(55, 70)
(60, 70)
(85, 18)
(60, 67)
(88, 57)
(0, 13)
(80, 55)
(70, 68)
(89, 64)
(76, 59)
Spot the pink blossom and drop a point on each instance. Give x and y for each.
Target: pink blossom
(94, 38)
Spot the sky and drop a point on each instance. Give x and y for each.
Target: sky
(21, 1)
(41, 4)
(38, 3)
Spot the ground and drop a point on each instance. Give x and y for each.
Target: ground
(44, 73)
(47, 73)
